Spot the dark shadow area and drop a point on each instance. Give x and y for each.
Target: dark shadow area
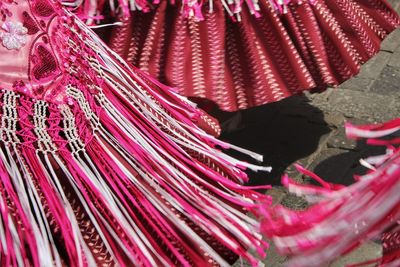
(284, 132)
(341, 168)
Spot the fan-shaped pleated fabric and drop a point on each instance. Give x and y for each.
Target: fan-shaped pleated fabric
(259, 59)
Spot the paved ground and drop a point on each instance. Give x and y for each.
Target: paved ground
(309, 129)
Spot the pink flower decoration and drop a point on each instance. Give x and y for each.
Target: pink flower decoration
(14, 36)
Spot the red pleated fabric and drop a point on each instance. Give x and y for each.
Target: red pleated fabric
(391, 246)
(258, 60)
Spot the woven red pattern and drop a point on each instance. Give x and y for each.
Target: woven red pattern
(258, 60)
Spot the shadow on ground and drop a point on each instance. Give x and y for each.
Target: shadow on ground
(342, 168)
(284, 132)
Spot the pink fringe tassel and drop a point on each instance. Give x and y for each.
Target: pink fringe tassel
(345, 216)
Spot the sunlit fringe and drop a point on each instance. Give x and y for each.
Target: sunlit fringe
(124, 86)
(145, 174)
(343, 217)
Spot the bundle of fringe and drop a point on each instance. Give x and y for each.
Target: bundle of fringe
(112, 170)
(341, 218)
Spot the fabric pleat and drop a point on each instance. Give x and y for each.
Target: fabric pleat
(259, 59)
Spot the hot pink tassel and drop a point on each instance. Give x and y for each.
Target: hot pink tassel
(109, 167)
(345, 216)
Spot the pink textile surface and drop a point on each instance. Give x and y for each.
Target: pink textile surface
(100, 164)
